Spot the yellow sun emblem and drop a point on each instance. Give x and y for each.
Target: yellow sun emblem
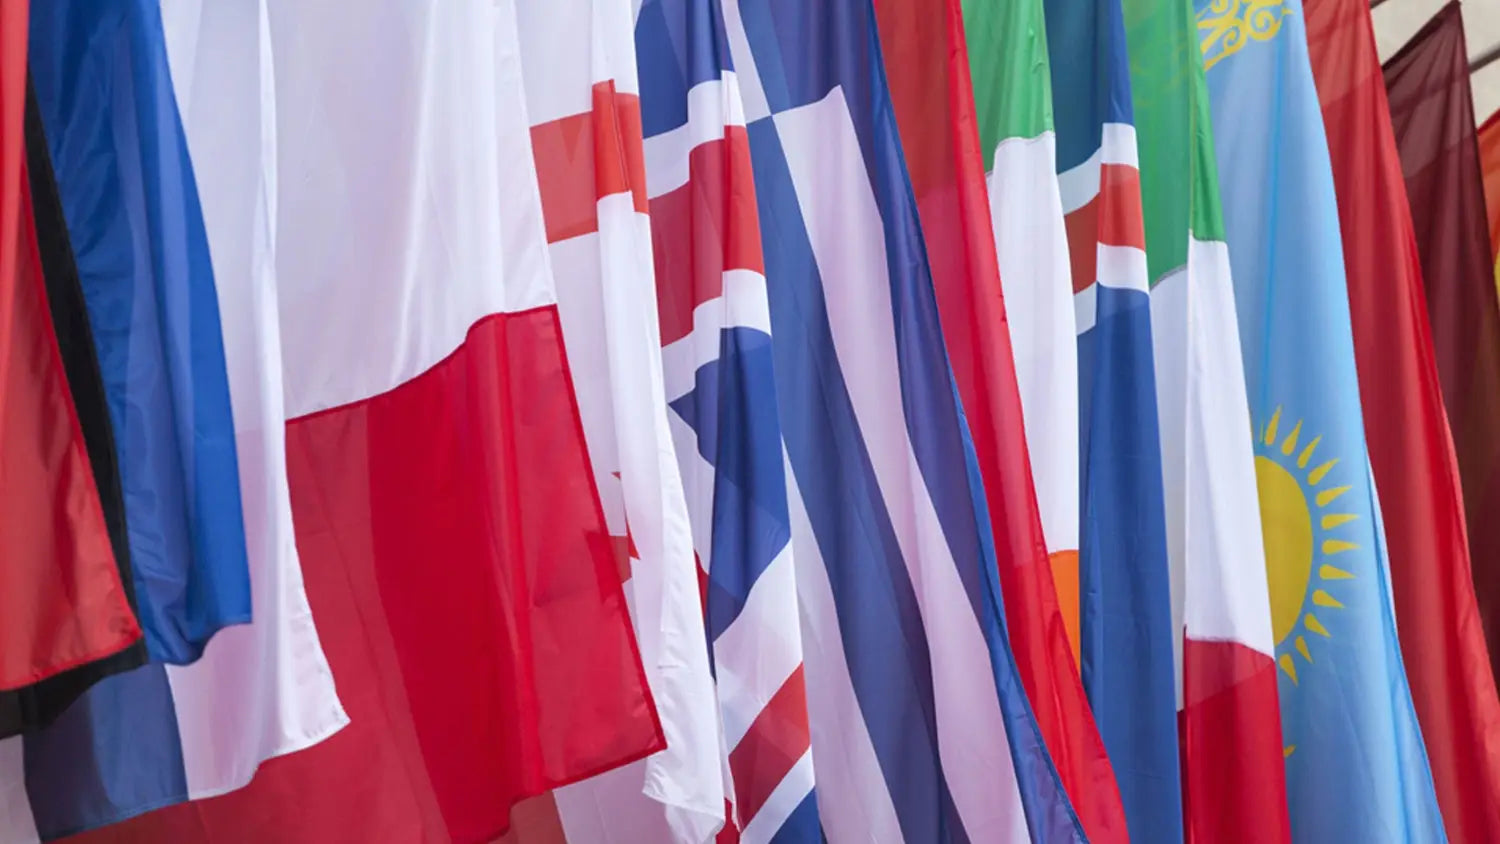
(1299, 529)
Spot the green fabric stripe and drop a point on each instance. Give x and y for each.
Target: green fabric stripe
(1179, 177)
(1007, 42)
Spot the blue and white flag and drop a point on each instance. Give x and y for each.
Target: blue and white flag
(920, 728)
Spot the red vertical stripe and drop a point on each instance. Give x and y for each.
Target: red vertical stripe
(703, 228)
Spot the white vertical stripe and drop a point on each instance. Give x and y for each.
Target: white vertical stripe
(753, 94)
(712, 106)
(844, 227)
(854, 803)
(263, 689)
(784, 800)
(1036, 278)
(759, 650)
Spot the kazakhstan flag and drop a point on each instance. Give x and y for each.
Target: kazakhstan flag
(1356, 767)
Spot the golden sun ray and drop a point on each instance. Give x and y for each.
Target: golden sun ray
(1328, 572)
(1323, 599)
(1333, 520)
(1316, 626)
(1289, 445)
(1317, 475)
(1327, 496)
(1301, 644)
(1285, 661)
(1338, 546)
(1271, 426)
(1306, 456)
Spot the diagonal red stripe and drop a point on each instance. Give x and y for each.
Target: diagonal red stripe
(706, 226)
(583, 158)
(770, 748)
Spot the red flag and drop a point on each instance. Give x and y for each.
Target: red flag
(62, 601)
(927, 66)
(1400, 363)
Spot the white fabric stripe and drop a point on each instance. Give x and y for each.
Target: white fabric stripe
(378, 219)
(753, 94)
(844, 228)
(1169, 348)
(759, 651)
(264, 689)
(697, 485)
(1080, 183)
(608, 277)
(784, 800)
(1086, 308)
(854, 803)
(712, 106)
(743, 304)
(1121, 267)
(1227, 597)
(580, 44)
(17, 826)
(1031, 242)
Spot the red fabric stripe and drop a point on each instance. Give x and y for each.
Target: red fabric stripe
(1120, 222)
(62, 602)
(703, 228)
(459, 566)
(1234, 782)
(773, 744)
(1083, 244)
(582, 158)
(928, 70)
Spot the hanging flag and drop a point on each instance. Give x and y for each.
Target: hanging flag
(456, 557)
(920, 725)
(69, 618)
(1442, 636)
(928, 67)
(1233, 783)
(143, 261)
(579, 67)
(1355, 766)
(1013, 105)
(1129, 640)
(721, 388)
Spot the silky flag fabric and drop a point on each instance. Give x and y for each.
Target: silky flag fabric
(455, 554)
(1411, 450)
(929, 71)
(1128, 638)
(1233, 782)
(920, 725)
(1432, 112)
(583, 103)
(68, 620)
(104, 93)
(1355, 766)
(721, 389)
(1013, 105)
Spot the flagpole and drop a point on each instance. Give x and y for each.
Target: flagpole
(1483, 60)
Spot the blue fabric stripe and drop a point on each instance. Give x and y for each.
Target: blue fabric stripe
(884, 641)
(114, 754)
(126, 183)
(801, 827)
(678, 44)
(732, 409)
(1090, 74)
(1123, 567)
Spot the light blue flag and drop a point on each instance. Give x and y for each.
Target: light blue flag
(1356, 767)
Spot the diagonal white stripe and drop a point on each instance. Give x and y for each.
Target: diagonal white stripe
(784, 800)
